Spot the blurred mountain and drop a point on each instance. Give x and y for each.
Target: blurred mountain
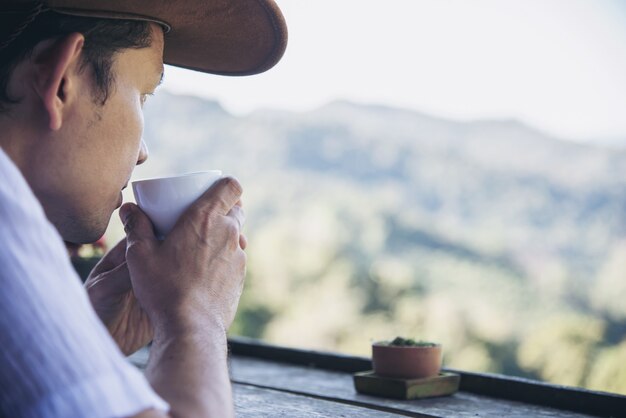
(494, 184)
(615, 142)
(394, 220)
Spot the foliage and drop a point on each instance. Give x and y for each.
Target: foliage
(364, 222)
(407, 342)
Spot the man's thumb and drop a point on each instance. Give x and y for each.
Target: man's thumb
(137, 225)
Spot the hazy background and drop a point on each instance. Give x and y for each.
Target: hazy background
(446, 170)
(558, 65)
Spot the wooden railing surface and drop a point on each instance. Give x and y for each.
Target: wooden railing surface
(270, 381)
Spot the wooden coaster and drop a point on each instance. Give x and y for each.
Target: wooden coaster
(372, 384)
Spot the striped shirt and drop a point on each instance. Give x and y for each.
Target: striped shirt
(56, 358)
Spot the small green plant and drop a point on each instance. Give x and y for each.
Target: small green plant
(408, 342)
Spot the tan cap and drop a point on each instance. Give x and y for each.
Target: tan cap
(227, 37)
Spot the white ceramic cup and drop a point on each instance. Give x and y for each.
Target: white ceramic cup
(164, 199)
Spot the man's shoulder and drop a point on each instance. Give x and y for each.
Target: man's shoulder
(28, 241)
(17, 200)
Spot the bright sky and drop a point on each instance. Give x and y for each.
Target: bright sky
(559, 65)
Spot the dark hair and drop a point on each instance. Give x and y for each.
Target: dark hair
(103, 39)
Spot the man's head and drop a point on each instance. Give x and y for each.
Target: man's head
(74, 74)
(103, 38)
(71, 91)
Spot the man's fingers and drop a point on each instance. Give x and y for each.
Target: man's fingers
(222, 199)
(112, 259)
(137, 225)
(238, 214)
(118, 279)
(222, 196)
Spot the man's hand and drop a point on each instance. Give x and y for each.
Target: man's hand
(111, 293)
(190, 284)
(195, 276)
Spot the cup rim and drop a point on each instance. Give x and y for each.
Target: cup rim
(178, 176)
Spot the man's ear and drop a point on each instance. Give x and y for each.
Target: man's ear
(56, 66)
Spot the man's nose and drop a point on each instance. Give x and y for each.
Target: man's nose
(143, 153)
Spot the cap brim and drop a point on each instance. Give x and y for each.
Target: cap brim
(227, 37)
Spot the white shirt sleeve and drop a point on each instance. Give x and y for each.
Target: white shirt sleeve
(56, 358)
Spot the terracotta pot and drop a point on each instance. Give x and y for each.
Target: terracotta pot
(406, 362)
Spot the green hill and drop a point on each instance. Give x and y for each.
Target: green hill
(367, 221)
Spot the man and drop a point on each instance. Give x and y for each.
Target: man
(73, 77)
